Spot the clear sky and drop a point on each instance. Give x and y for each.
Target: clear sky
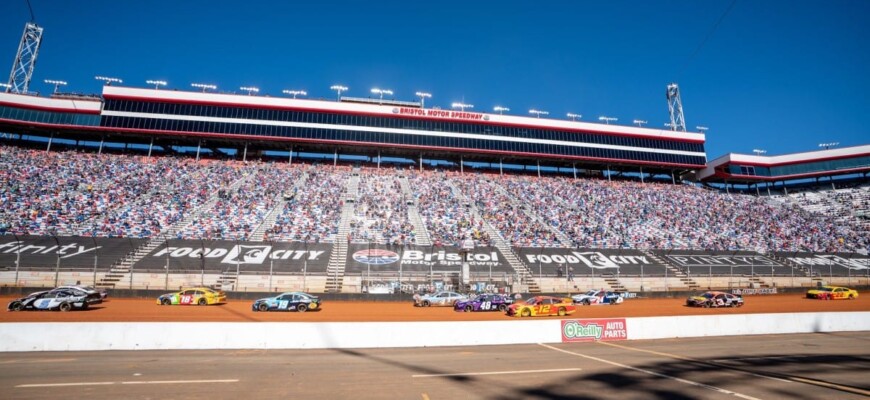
(782, 76)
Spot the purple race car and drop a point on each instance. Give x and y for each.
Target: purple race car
(484, 302)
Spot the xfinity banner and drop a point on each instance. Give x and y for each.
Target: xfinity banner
(552, 261)
(836, 264)
(223, 255)
(361, 257)
(70, 252)
(711, 262)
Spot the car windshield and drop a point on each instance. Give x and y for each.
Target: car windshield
(591, 292)
(707, 295)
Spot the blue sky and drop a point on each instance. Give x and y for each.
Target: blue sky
(776, 75)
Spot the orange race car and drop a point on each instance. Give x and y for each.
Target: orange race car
(542, 306)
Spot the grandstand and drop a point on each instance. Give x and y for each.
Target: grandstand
(284, 194)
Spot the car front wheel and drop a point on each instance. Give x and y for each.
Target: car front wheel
(166, 302)
(425, 303)
(17, 306)
(263, 307)
(502, 307)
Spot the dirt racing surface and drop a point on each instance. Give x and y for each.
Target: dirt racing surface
(146, 310)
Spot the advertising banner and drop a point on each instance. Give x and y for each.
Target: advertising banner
(33, 252)
(221, 255)
(698, 262)
(438, 259)
(553, 261)
(589, 330)
(828, 264)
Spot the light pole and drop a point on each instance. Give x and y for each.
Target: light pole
(639, 122)
(295, 93)
(250, 89)
(17, 257)
(204, 86)
(382, 92)
(703, 129)
(828, 145)
(107, 80)
(339, 89)
(607, 119)
(56, 83)
(500, 109)
(423, 96)
(759, 152)
(573, 116)
(96, 256)
(57, 252)
(538, 113)
(157, 84)
(461, 106)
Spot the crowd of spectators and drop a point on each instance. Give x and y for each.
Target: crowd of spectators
(381, 210)
(312, 212)
(446, 216)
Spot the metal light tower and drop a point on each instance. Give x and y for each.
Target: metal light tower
(157, 84)
(423, 96)
(639, 122)
(461, 106)
(382, 92)
(56, 83)
(828, 145)
(675, 108)
(759, 152)
(203, 86)
(538, 113)
(25, 59)
(702, 129)
(295, 93)
(250, 89)
(607, 119)
(339, 89)
(500, 109)
(107, 80)
(573, 116)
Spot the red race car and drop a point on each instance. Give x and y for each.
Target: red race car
(542, 306)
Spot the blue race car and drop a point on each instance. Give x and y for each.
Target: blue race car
(484, 302)
(289, 301)
(57, 299)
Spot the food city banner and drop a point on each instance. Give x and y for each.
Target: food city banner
(224, 255)
(589, 261)
(69, 251)
(364, 257)
(830, 263)
(588, 330)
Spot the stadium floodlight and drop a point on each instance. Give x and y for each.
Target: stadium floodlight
(759, 152)
(107, 80)
(500, 109)
(250, 89)
(607, 119)
(702, 128)
(204, 86)
(55, 83)
(829, 145)
(157, 84)
(295, 93)
(573, 116)
(382, 92)
(461, 106)
(423, 96)
(538, 113)
(668, 124)
(6, 86)
(339, 89)
(639, 122)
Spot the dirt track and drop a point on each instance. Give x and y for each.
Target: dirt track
(146, 310)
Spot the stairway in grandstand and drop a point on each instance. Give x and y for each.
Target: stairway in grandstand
(523, 273)
(563, 240)
(122, 269)
(689, 283)
(280, 203)
(421, 235)
(338, 258)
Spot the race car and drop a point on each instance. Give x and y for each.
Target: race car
(442, 298)
(58, 299)
(542, 306)
(484, 302)
(832, 293)
(196, 296)
(94, 296)
(287, 302)
(597, 297)
(715, 299)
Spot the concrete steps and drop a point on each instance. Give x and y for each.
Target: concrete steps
(338, 258)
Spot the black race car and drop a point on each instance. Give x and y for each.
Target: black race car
(57, 299)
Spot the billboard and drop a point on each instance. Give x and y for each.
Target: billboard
(438, 259)
(840, 264)
(589, 261)
(590, 330)
(34, 252)
(221, 255)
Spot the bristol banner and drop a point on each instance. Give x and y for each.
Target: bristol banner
(588, 330)
(221, 255)
(362, 257)
(67, 251)
(589, 261)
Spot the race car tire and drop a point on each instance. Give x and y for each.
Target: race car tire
(85, 305)
(202, 302)
(586, 302)
(64, 307)
(707, 305)
(562, 311)
(302, 308)
(502, 307)
(263, 307)
(17, 306)
(526, 313)
(425, 303)
(851, 297)
(166, 302)
(469, 308)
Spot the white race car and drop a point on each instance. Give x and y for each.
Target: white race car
(442, 298)
(598, 297)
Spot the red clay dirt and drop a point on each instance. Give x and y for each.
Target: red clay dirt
(146, 310)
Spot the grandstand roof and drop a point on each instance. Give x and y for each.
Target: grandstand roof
(745, 168)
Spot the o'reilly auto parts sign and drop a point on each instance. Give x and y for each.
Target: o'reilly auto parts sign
(247, 256)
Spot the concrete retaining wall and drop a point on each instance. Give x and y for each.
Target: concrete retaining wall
(16, 337)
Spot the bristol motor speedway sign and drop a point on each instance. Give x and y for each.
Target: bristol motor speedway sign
(248, 256)
(361, 257)
(587, 330)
